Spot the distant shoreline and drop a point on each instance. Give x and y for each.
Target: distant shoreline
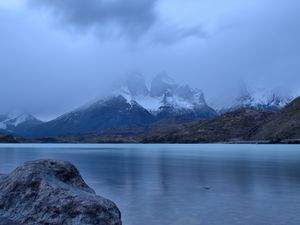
(257, 142)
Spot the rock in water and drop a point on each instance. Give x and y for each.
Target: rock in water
(52, 192)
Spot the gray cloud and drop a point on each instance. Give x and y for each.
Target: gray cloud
(118, 18)
(48, 71)
(171, 34)
(130, 17)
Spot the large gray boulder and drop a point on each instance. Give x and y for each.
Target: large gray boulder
(50, 192)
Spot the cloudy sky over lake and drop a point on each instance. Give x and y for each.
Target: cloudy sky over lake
(58, 54)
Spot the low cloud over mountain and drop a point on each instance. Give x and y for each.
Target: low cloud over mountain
(58, 54)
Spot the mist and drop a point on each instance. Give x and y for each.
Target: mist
(56, 55)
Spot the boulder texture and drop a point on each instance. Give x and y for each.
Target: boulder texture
(51, 192)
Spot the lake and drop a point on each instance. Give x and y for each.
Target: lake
(184, 184)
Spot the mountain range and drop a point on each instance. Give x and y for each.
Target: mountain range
(246, 125)
(255, 98)
(237, 126)
(134, 104)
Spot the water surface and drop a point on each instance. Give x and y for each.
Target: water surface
(184, 184)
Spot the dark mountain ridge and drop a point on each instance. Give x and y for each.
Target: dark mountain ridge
(101, 115)
(239, 125)
(283, 125)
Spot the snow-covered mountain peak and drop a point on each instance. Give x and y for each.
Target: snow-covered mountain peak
(163, 92)
(272, 99)
(13, 120)
(131, 102)
(21, 119)
(259, 98)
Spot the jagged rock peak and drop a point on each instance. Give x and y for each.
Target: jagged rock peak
(163, 92)
(258, 98)
(162, 83)
(135, 85)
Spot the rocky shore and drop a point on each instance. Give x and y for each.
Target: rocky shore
(52, 192)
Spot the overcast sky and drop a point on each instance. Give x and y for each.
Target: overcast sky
(57, 54)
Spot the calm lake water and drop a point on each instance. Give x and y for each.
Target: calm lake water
(184, 184)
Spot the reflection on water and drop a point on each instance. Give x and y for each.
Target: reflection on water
(184, 184)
